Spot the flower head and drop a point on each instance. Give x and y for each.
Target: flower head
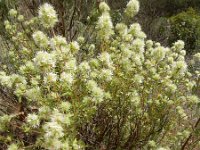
(47, 15)
(44, 59)
(96, 92)
(40, 39)
(121, 28)
(105, 26)
(50, 78)
(58, 42)
(66, 78)
(179, 45)
(105, 58)
(132, 8)
(13, 13)
(53, 130)
(104, 7)
(74, 46)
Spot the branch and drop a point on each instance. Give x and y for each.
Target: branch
(188, 139)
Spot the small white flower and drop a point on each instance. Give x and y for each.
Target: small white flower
(54, 144)
(15, 78)
(27, 68)
(138, 78)
(65, 106)
(81, 39)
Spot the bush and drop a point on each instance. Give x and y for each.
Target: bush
(119, 92)
(185, 26)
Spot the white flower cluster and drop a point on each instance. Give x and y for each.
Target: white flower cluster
(66, 78)
(5, 80)
(33, 94)
(47, 15)
(122, 29)
(60, 117)
(53, 131)
(58, 42)
(105, 59)
(40, 39)
(70, 65)
(96, 92)
(84, 69)
(197, 57)
(104, 24)
(132, 8)
(13, 13)
(44, 60)
(27, 68)
(50, 78)
(74, 47)
(104, 7)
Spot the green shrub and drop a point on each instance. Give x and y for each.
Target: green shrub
(119, 92)
(186, 26)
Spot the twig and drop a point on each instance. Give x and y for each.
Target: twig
(188, 139)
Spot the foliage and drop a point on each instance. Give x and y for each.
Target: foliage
(186, 26)
(116, 90)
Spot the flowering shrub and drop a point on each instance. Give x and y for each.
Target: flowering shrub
(124, 92)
